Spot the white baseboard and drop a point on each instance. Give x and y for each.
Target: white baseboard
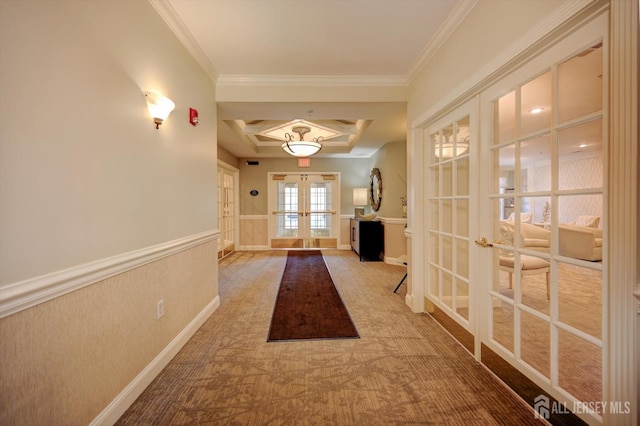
(393, 261)
(132, 391)
(253, 248)
(344, 247)
(408, 299)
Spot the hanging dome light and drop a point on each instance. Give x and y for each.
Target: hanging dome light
(301, 148)
(449, 149)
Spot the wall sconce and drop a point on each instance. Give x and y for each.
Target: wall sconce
(360, 199)
(159, 107)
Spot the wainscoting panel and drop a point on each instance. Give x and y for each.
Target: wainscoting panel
(65, 360)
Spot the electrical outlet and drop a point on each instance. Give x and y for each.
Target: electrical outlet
(160, 308)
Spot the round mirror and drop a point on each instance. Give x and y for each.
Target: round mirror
(375, 190)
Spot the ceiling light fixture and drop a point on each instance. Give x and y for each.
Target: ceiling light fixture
(301, 148)
(448, 148)
(536, 110)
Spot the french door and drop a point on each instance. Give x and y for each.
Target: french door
(544, 236)
(303, 210)
(227, 208)
(450, 153)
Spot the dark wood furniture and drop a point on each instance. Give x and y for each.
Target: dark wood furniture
(367, 239)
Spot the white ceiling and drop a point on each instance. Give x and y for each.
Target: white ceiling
(240, 41)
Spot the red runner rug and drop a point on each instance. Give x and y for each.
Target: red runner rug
(308, 305)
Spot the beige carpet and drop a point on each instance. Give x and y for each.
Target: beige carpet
(404, 370)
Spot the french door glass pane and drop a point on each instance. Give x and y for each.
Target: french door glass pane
(462, 298)
(584, 211)
(447, 179)
(535, 164)
(505, 160)
(434, 281)
(535, 105)
(434, 248)
(547, 199)
(534, 282)
(462, 258)
(434, 215)
(580, 150)
(462, 176)
(434, 181)
(535, 341)
(287, 206)
(580, 84)
(579, 367)
(580, 298)
(447, 218)
(506, 118)
(502, 321)
(447, 284)
(462, 217)
(447, 253)
(540, 209)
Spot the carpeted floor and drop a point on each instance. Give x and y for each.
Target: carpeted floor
(403, 370)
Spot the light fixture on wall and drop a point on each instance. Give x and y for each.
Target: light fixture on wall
(301, 148)
(360, 200)
(159, 107)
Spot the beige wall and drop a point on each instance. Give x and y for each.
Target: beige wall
(353, 173)
(228, 157)
(85, 174)
(62, 362)
(395, 242)
(254, 232)
(86, 177)
(391, 159)
(489, 28)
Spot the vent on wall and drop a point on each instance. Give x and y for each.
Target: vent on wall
(252, 163)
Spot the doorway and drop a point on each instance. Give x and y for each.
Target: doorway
(450, 150)
(227, 208)
(304, 210)
(545, 312)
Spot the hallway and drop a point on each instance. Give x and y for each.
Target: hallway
(403, 370)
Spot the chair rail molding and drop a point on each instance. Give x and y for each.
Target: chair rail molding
(26, 294)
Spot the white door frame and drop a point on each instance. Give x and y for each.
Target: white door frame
(272, 223)
(622, 363)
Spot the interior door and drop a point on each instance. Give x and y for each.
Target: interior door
(304, 210)
(450, 148)
(547, 276)
(227, 208)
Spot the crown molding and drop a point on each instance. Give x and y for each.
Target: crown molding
(311, 80)
(492, 70)
(445, 30)
(173, 21)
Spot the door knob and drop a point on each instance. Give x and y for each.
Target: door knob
(482, 242)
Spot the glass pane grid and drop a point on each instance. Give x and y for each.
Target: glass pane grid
(556, 176)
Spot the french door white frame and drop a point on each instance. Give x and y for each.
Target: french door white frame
(235, 205)
(468, 110)
(588, 35)
(620, 360)
(305, 210)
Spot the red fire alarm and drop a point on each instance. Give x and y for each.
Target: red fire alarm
(193, 116)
